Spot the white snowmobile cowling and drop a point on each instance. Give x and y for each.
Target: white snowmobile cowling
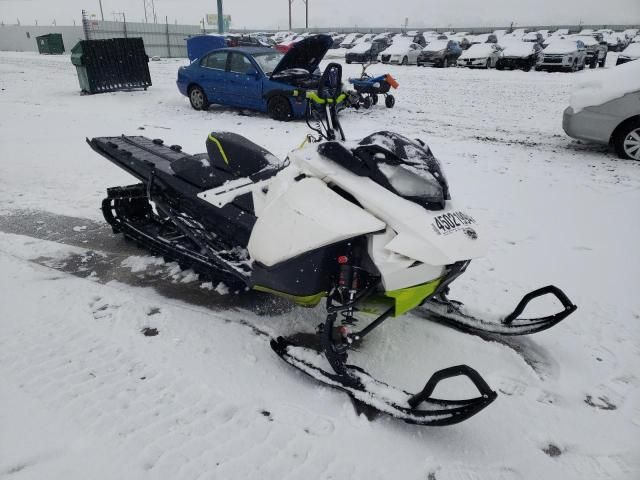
(305, 217)
(298, 215)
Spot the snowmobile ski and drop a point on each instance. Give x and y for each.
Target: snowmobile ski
(455, 314)
(418, 409)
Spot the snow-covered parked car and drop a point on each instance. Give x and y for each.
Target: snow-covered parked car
(565, 54)
(520, 55)
(350, 40)
(605, 109)
(440, 53)
(632, 52)
(365, 52)
(480, 55)
(535, 37)
(403, 51)
(615, 41)
(596, 48)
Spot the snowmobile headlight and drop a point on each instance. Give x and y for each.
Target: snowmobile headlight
(411, 182)
(376, 85)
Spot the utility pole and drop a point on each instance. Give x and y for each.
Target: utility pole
(290, 2)
(220, 18)
(101, 13)
(306, 14)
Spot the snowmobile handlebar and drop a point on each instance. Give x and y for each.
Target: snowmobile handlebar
(569, 307)
(455, 371)
(313, 96)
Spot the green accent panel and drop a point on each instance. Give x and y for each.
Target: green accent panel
(313, 96)
(409, 298)
(305, 301)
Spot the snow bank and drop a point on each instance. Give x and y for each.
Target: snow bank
(606, 85)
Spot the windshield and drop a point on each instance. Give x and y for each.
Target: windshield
(408, 167)
(268, 61)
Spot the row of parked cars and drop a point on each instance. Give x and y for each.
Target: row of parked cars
(559, 51)
(517, 49)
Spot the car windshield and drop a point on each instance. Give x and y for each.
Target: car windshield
(268, 61)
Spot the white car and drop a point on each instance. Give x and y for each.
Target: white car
(480, 55)
(350, 40)
(632, 52)
(565, 54)
(402, 52)
(366, 38)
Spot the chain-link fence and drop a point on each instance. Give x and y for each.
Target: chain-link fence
(160, 39)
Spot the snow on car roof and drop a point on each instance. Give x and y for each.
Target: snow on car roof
(588, 40)
(632, 51)
(478, 50)
(517, 49)
(561, 46)
(361, 47)
(606, 85)
(399, 45)
(436, 46)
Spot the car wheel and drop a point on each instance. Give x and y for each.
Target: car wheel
(389, 101)
(626, 141)
(405, 61)
(574, 66)
(594, 62)
(279, 108)
(198, 98)
(603, 61)
(488, 64)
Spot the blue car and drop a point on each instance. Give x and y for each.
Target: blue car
(258, 78)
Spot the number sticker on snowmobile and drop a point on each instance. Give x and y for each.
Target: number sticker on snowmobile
(452, 222)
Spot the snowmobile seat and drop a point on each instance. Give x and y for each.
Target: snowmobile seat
(198, 171)
(236, 154)
(229, 156)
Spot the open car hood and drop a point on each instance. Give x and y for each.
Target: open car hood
(305, 54)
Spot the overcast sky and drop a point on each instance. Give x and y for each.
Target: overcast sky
(344, 13)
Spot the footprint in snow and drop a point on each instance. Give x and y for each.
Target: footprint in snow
(552, 450)
(149, 331)
(601, 403)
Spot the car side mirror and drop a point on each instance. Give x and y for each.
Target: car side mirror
(252, 73)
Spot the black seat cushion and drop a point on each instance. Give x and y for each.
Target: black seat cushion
(198, 171)
(236, 154)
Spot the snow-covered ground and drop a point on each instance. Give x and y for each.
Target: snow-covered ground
(85, 394)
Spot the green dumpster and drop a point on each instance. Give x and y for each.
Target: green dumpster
(111, 64)
(50, 44)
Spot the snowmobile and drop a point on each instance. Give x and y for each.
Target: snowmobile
(368, 227)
